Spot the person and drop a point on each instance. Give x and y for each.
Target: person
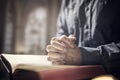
(88, 34)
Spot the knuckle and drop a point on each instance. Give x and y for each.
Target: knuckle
(49, 54)
(53, 42)
(48, 48)
(62, 37)
(53, 38)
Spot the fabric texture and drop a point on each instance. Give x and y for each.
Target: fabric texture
(96, 25)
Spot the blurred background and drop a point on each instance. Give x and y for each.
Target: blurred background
(26, 26)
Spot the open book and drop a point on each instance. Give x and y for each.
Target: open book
(30, 62)
(37, 66)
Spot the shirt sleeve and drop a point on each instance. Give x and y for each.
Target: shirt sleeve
(61, 23)
(107, 55)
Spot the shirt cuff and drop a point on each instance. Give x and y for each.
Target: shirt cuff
(90, 56)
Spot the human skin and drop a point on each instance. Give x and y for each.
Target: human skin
(63, 51)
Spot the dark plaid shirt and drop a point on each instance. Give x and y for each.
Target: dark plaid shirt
(96, 24)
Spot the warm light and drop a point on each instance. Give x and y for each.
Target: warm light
(104, 77)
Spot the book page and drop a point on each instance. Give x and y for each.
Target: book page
(27, 61)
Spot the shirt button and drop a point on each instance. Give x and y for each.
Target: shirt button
(87, 27)
(87, 9)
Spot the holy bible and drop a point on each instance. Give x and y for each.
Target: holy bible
(37, 67)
